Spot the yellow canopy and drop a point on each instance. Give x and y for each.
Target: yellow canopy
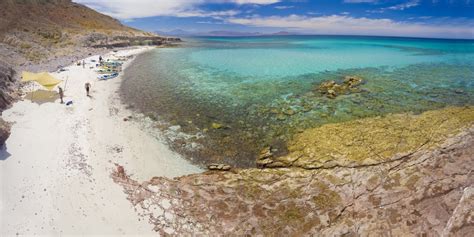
(43, 78)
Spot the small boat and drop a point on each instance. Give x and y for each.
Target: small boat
(108, 76)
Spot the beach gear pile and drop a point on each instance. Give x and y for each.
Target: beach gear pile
(109, 69)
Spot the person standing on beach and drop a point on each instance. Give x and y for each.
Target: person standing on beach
(88, 87)
(61, 94)
(83, 64)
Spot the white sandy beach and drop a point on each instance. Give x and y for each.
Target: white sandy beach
(54, 173)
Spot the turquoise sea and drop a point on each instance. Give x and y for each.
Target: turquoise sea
(224, 99)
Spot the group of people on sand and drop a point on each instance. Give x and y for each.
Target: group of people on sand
(87, 85)
(61, 91)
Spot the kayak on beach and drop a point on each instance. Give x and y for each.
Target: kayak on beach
(106, 71)
(108, 76)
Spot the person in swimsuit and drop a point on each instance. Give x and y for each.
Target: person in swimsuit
(88, 87)
(61, 94)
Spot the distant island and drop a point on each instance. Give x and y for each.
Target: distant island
(183, 33)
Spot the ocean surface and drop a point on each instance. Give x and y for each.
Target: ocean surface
(224, 99)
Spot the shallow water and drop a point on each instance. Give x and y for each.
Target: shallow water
(262, 89)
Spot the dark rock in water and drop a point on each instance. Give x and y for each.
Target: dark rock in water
(332, 89)
(220, 167)
(264, 159)
(281, 117)
(4, 131)
(265, 153)
(289, 112)
(264, 163)
(352, 81)
(275, 164)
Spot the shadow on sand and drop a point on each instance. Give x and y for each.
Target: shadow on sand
(4, 153)
(42, 96)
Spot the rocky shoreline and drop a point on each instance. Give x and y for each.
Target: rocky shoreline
(427, 191)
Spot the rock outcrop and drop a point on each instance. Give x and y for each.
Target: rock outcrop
(219, 167)
(7, 96)
(427, 192)
(7, 83)
(4, 131)
(332, 89)
(372, 141)
(104, 41)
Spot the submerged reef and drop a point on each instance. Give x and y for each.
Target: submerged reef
(373, 140)
(400, 175)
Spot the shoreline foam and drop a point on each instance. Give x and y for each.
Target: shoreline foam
(55, 171)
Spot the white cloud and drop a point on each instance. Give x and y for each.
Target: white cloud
(214, 14)
(128, 9)
(261, 2)
(375, 11)
(398, 7)
(337, 24)
(403, 6)
(284, 7)
(210, 22)
(360, 1)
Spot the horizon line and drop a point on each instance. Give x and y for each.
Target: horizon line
(275, 34)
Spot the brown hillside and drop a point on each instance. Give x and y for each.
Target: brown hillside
(39, 30)
(40, 15)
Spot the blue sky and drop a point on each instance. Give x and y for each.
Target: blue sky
(418, 18)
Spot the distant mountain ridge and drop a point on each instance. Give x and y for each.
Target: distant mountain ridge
(221, 33)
